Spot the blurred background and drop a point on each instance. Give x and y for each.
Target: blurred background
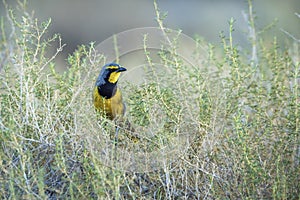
(81, 22)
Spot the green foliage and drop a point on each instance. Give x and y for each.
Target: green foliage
(240, 117)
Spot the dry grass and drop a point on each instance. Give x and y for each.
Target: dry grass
(226, 130)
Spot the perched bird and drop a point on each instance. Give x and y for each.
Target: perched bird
(108, 99)
(107, 95)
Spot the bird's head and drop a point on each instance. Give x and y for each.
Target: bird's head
(110, 73)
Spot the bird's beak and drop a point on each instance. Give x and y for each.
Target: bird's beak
(121, 69)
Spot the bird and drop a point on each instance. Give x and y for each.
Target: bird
(107, 96)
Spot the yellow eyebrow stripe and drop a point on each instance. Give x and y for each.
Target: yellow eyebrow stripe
(112, 67)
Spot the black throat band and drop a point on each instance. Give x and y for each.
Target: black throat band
(107, 90)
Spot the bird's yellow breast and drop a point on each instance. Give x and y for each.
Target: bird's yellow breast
(112, 107)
